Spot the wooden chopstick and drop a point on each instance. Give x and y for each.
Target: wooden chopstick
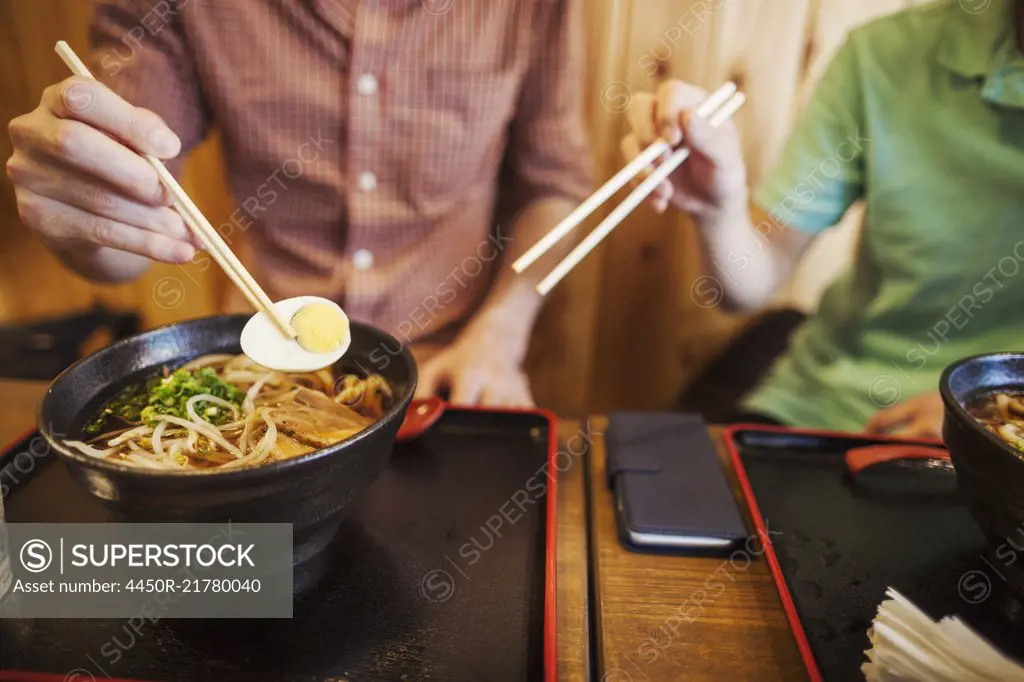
(196, 221)
(617, 182)
(634, 199)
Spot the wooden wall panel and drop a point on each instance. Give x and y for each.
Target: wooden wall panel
(643, 263)
(763, 46)
(560, 362)
(31, 280)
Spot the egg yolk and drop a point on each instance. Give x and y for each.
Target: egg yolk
(319, 328)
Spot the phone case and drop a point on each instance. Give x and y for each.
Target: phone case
(669, 485)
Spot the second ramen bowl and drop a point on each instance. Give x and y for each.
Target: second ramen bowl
(990, 473)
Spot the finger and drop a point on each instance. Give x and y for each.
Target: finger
(521, 395)
(663, 191)
(689, 204)
(467, 387)
(430, 380)
(884, 421)
(98, 106)
(919, 428)
(673, 98)
(629, 146)
(493, 397)
(90, 151)
(641, 118)
(49, 178)
(64, 226)
(510, 393)
(498, 397)
(721, 144)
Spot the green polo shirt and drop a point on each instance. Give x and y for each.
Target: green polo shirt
(921, 116)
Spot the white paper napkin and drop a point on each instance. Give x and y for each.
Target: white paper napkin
(908, 646)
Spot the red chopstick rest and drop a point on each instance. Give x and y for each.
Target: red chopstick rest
(421, 415)
(858, 459)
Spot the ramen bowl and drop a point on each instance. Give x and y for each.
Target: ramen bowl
(313, 492)
(990, 473)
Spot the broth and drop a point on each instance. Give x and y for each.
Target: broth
(225, 412)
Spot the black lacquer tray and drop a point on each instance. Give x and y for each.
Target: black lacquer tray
(417, 585)
(839, 540)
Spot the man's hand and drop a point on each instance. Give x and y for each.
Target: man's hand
(481, 367)
(714, 176)
(919, 417)
(83, 188)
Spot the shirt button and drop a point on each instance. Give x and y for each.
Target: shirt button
(366, 84)
(362, 259)
(367, 181)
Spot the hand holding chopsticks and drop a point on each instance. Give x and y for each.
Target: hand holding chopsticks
(197, 222)
(717, 108)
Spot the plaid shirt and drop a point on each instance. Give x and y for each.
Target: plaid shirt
(364, 138)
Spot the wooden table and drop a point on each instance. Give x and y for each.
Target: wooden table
(660, 618)
(652, 618)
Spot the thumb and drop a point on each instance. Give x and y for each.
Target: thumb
(720, 145)
(153, 136)
(431, 376)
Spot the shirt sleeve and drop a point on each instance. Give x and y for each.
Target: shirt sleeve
(548, 153)
(140, 52)
(820, 172)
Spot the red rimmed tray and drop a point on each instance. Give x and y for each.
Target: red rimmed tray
(378, 614)
(838, 540)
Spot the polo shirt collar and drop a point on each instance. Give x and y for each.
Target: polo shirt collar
(982, 45)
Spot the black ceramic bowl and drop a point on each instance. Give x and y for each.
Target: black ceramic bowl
(989, 472)
(313, 492)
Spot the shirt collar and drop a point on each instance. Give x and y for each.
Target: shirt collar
(982, 45)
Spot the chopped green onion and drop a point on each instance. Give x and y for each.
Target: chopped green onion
(169, 395)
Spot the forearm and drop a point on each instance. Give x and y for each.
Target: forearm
(512, 305)
(749, 253)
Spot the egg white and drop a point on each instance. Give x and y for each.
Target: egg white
(264, 343)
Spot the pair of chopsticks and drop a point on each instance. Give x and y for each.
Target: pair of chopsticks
(717, 108)
(197, 222)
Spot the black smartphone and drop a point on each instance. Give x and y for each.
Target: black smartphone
(671, 492)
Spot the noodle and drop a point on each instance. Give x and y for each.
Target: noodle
(227, 412)
(190, 406)
(88, 449)
(1002, 414)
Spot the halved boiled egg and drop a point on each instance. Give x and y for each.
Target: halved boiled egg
(322, 335)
